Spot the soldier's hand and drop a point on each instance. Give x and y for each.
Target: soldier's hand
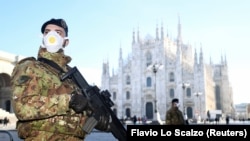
(104, 123)
(78, 103)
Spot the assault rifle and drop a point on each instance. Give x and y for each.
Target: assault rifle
(99, 102)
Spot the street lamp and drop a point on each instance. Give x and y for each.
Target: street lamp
(198, 94)
(155, 67)
(184, 86)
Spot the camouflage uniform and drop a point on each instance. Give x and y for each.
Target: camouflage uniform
(41, 100)
(174, 117)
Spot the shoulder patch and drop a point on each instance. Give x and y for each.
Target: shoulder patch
(27, 59)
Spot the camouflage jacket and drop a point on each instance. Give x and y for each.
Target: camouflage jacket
(174, 117)
(40, 99)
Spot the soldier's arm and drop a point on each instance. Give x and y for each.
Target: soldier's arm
(182, 118)
(168, 118)
(30, 98)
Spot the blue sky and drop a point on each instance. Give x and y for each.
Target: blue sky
(98, 28)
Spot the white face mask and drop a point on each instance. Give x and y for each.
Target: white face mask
(53, 42)
(177, 104)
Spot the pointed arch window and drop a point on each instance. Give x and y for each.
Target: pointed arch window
(171, 93)
(188, 92)
(149, 82)
(128, 80)
(114, 95)
(148, 59)
(171, 77)
(127, 95)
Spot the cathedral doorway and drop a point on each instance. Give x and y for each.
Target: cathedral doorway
(128, 113)
(149, 110)
(8, 105)
(115, 111)
(189, 112)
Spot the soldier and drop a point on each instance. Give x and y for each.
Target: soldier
(174, 116)
(49, 109)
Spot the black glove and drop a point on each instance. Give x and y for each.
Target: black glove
(78, 103)
(104, 123)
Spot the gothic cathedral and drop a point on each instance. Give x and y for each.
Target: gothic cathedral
(160, 69)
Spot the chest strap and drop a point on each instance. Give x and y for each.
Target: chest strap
(51, 63)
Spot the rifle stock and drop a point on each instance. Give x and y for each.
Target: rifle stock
(99, 102)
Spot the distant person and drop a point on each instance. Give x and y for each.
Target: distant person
(134, 119)
(5, 121)
(139, 120)
(144, 119)
(227, 119)
(174, 116)
(208, 116)
(217, 119)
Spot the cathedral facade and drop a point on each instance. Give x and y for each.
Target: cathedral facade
(160, 69)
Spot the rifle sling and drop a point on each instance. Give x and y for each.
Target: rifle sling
(51, 63)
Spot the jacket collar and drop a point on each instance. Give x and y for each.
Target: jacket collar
(59, 58)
